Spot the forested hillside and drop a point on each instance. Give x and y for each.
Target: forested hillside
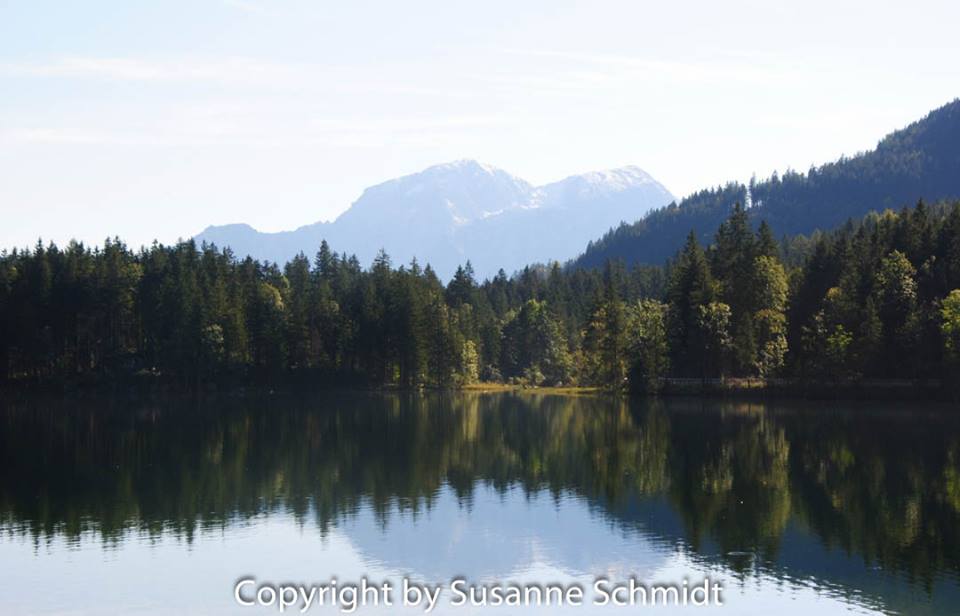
(921, 161)
(880, 298)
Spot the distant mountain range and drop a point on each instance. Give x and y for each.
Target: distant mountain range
(921, 161)
(464, 210)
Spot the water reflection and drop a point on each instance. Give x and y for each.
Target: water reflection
(864, 501)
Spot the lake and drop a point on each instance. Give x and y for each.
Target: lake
(161, 506)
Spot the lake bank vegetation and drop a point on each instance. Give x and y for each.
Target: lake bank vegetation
(876, 300)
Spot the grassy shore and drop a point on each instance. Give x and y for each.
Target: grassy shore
(563, 390)
(872, 389)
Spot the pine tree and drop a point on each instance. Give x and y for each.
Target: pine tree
(733, 265)
(691, 286)
(766, 245)
(298, 326)
(612, 337)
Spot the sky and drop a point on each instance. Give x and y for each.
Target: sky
(151, 120)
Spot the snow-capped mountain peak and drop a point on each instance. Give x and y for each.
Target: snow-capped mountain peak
(625, 189)
(461, 191)
(459, 210)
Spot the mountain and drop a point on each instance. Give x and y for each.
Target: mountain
(921, 161)
(463, 210)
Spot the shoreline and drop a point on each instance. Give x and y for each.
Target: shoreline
(750, 388)
(866, 389)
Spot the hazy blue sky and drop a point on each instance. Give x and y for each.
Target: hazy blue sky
(154, 119)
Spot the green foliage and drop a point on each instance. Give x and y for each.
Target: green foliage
(772, 340)
(713, 325)
(534, 347)
(876, 299)
(837, 351)
(895, 294)
(648, 345)
(950, 330)
(691, 286)
(769, 303)
(769, 284)
(950, 324)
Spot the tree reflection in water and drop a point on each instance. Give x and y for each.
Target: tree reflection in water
(880, 484)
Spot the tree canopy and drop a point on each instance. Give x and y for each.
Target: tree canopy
(876, 298)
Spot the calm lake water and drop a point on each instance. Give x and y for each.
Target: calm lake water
(111, 506)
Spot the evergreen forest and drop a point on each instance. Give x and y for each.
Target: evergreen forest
(878, 298)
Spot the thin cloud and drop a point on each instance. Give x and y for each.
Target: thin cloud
(394, 124)
(247, 6)
(356, 132)
(615, 68)
(236, 70)
(243, 72)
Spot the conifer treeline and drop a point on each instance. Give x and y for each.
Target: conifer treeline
(876, 299)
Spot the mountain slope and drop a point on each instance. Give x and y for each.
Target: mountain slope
(921, 161)
(463, 210)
